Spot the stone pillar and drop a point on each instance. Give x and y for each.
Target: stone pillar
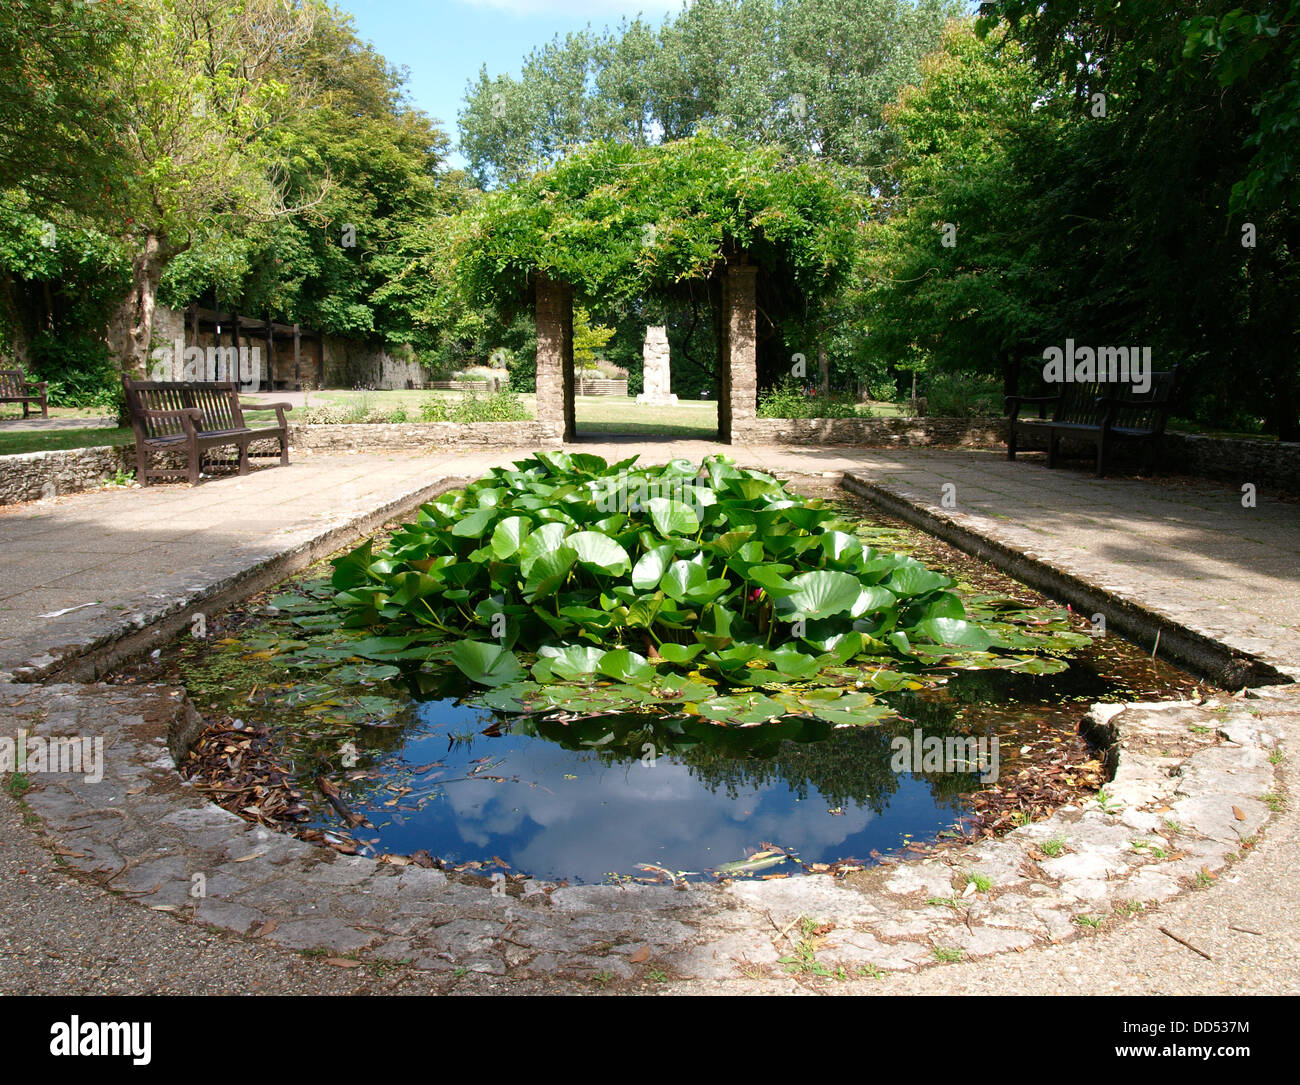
(740, 373)
(554, 312)
(655, 370)
(724, 359)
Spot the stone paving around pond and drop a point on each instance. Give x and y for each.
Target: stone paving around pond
(1189, 791)
(1194, 801)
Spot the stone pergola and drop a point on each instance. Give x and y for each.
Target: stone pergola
(737, 375)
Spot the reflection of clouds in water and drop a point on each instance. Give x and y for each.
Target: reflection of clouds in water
(614, 816)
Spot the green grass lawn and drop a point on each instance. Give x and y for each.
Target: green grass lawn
(11, 444)
(10, 412)
(692, 419)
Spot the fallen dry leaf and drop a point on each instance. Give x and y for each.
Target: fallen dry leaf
(642, 954)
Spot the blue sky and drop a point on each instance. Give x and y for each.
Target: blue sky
(444, 42)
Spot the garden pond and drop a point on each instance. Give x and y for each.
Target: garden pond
(815, 735)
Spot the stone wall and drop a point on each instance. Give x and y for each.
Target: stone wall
(423, 436)
(36, 475)
(1265, 463)
(874, 432)
(1273, 464)
(597, 386)
(351, 364)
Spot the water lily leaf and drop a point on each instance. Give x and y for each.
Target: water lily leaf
(743, 709)
(795, 664)
(543, 540)
(508, 536)
(548, 572)
(944, 605)
(916, 579)
(625, 666)
(819, 594)
(574, 660)
(673, 517)
(872, 599)
(593, 548)
(679, 653)
(651, 566)
(474, 525)
(954, 631)
(841, 548)
(486, 664)
(683, 579)
(771, 578)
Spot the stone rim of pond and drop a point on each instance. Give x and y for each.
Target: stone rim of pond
(142, 831)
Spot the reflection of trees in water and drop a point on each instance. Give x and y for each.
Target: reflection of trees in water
(845, 766)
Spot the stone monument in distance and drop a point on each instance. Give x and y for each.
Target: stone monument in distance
(657, 380)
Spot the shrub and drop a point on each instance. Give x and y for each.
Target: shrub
(502, 406)
(79, 368)
(962, 395)
(788, 400)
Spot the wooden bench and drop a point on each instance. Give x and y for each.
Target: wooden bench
(16, 388)
(1099, 413)
(191, 417)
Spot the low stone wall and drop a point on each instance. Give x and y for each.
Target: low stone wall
(462, 386)
(1274, 464)
(1265, 463)
(422, 436)
(36, 475)
(879, 432)
(601, 387)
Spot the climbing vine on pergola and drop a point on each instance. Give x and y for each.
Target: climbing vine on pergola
(613, 222)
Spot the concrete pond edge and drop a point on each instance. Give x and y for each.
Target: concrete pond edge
(1191, 794)
(1193, 786)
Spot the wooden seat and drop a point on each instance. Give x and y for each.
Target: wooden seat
(195, 416)
(1099, 413)
(16, 388)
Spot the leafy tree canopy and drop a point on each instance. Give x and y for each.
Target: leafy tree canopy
(617, 221)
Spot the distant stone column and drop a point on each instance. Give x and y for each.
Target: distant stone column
(655, 370)
(554, 312)
(740, 374)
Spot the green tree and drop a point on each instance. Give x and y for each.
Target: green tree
(953, 263)
(61, 125)
(1178, 225)
(588, 338)
(198, 95)
(810, 75)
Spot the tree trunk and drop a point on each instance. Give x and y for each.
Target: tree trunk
(131, 330)
(17, 326)
(1010, 374)
(823, 371)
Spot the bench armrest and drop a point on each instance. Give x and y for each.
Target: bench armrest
(279, 409)
(42, 385)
